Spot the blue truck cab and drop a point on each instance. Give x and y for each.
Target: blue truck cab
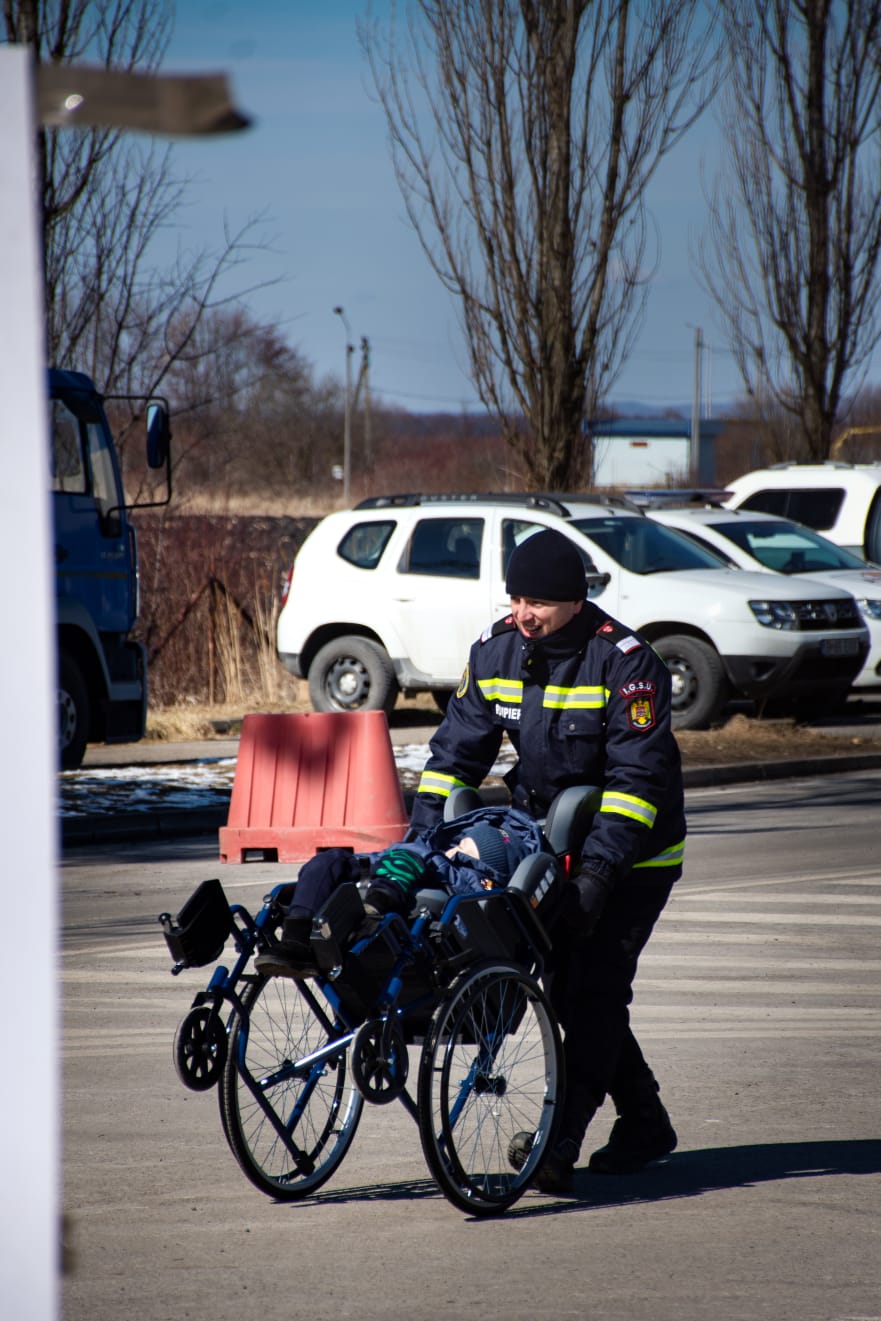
(102, 670)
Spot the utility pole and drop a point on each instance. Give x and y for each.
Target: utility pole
(347, 419)
(696, 408)
(364, 379)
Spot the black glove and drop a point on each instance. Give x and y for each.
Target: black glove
(582, 900)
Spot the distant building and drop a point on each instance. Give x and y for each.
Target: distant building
(652, 451)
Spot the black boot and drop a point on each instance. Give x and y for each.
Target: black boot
(292, 955)
(556, 1172)
(638, 1136)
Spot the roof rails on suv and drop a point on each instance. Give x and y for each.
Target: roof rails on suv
(666, 497)
(551, 502)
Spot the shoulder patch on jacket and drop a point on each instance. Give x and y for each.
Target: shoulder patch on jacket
(618, 636)
(505, 625)
(639, 698)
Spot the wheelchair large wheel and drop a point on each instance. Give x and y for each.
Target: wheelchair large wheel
(491, 1067)
(289, 1124)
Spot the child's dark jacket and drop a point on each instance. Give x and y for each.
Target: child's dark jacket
(463, 874)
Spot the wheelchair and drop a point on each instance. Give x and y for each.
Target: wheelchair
(295, 1059)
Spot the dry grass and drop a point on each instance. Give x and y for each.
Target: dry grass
(746, 739)
(191, 721)
(284, 504)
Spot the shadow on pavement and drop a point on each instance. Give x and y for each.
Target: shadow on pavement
(711, 1169)
(685, 1174)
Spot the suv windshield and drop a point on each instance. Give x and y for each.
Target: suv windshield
(643, 546)
(788, 548)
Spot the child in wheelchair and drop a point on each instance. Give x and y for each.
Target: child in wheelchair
(474, 854)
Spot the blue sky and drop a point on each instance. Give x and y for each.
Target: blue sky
(316, 161)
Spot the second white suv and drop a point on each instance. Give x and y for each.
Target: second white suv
(390, 595)
(754, 541)
(841, 500)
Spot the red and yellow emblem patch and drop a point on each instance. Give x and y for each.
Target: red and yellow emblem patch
(639, 697)
(641, 713)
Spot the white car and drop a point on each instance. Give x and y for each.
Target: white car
(750, 540)
(841, 500)
(390, 595)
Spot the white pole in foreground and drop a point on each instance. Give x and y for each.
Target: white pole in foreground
(69, 96)
(29, 1108)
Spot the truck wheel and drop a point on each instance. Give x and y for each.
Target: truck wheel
(699, 685)
(441, 698)
(74, 714)
(352, 674)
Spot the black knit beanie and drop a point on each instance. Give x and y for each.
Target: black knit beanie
(546, 567)
(497, 848)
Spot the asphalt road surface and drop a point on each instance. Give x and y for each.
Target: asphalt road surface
(757, 1001)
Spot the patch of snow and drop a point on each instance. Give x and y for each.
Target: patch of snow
(96, 791)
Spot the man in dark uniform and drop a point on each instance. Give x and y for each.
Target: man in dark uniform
(583, 700)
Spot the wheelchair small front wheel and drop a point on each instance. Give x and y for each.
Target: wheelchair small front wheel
(200, 1049)
(288, 1118)
(491, 1067)
(379, 1060)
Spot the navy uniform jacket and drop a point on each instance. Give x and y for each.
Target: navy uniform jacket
(589, 704)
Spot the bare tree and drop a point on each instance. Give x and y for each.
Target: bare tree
(250, 419)
(791, 254)
(524, 133)
(105, 199)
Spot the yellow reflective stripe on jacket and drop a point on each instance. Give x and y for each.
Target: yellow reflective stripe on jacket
(587, 698)
(433, 782)
(502, 690)
(626, 805)
(671, 857)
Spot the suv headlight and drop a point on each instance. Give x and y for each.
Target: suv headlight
(870, 607)
(775, 614)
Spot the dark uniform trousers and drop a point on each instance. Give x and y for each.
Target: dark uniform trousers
(591, 987)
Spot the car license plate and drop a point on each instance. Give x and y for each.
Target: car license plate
(839, 647)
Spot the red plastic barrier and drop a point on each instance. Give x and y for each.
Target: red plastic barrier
(313, 781)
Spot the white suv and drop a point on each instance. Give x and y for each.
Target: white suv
(756, 542)
(390, 595)
(841, 500)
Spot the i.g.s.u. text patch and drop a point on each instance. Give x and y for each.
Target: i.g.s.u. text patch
(639, 697)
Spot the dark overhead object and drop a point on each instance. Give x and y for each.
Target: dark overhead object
(88, 96)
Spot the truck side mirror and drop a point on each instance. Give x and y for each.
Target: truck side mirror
(158, 435)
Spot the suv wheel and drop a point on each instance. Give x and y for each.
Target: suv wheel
(700, 688)
(352, 674)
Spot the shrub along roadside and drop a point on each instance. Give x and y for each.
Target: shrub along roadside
(210, 595)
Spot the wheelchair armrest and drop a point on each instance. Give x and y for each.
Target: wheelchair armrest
(535, 878)
(435, 901)
(569, 817)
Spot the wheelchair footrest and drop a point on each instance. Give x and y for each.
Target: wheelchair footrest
(199, 932)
